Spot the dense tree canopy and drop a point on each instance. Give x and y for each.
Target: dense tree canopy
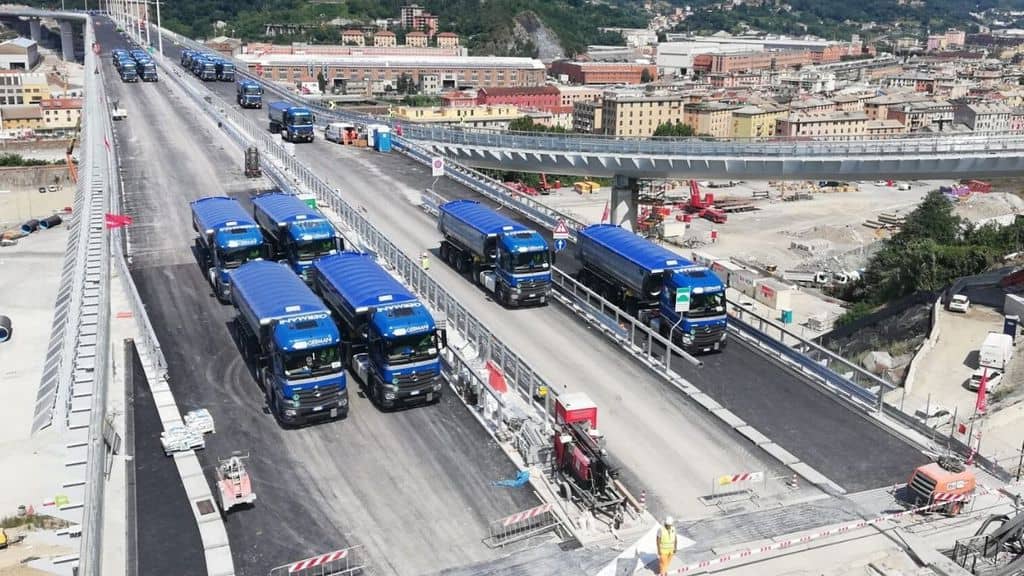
(676, 129)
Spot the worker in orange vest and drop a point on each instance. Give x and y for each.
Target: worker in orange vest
(666, 545)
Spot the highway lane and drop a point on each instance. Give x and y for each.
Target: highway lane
(413, 487)
(669, 447)
(850, 449)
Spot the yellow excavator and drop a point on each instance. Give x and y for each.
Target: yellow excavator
(6, 540)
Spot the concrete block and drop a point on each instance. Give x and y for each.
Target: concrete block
(707, 402)
(780, 453)
(731, 420)
(753, 435)
(816, 478)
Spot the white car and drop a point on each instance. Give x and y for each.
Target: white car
(994, 378)
(959, 303)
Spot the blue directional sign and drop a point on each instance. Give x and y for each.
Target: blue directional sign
(559, 245)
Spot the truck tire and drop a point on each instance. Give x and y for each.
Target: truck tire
(443, 251)
(211, 275)
(460, 263)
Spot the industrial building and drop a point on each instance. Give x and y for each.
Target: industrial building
(19, 54)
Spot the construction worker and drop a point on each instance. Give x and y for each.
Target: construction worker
(425, 261)
(666, 545)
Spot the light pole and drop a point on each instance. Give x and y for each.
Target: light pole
(159, 30)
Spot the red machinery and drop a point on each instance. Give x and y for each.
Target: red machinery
(581, 463)
(704, 207)
(546, 187)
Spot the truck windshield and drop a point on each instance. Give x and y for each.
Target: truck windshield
(704, 305)
(314, 249)
(530, 262)
(233, 258)
(253, 90)
(407, 349)
(311, 363)
(302, 118)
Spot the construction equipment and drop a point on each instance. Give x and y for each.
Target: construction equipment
(72, 169)
(234, 487)
(704, 207)
(994, 552)
(546, 187)
(946, 483)
(252, 162)
(582, 467)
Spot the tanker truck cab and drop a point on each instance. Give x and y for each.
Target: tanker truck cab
(227, 238)
(295, 123)
(693, 309)
(522, 263)
(292, 343)
(295, 233)
(390, 337)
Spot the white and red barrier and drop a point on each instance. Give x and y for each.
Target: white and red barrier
(741, 477)
(943, 497)
(525, 515)
(318, 560)
(784, 544)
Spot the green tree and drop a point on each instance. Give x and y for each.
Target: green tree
(675, 129)
(321, 81)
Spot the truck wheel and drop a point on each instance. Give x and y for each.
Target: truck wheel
(211, 273)
(460, 264)
(442, 251)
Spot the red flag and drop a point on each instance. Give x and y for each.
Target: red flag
(495, 378)
(982, 402)
(606, 214)
(117, 220)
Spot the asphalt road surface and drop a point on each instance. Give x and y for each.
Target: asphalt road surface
(848, 448)
(413, 487)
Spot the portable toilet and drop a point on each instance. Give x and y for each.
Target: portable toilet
(1010, 324)
(371, 129)
(382, 139)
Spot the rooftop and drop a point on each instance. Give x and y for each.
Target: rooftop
(21, 112)
(22, 42)
(399, 61)
(61, 104)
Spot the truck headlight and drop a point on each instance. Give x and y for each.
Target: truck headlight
(343, 401)
(687, 338)
(290, 413)
(389, 395)
(437, 386)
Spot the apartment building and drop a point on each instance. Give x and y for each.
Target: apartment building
(938, 115)
(588, 116)
(23, 87)
(710, 118)
(21, 117)
(830, 124)
(385, 39)
(640, 115)
(544, 97)
(497, 117)
(61, 114)
(353, 38)
(983, 116)
(755, 121)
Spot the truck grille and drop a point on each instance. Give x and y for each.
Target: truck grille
(318, 396)
(414, 380)
(531, 288)
(707, 335)
(921, 488)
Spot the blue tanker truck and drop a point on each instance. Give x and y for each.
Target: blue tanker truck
(389, 336)
(295, 232)
(502, 255)
(226, 238)
(654, 284)
(295, 123)
(292, 343)
(249, 94)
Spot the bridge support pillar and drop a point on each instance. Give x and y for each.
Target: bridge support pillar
(35, 29)
(625, 192)
(67, 40)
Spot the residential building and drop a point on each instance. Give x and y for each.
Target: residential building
(983, 116)
(21, 117)
(458, 99)
(710, 118)
(19, 54)
(497, 117)
(851, 102)
(754, 61)
(937, 115)
(385, 39)
(830, 124)
(601, 72)
(877, 108)
(61, 114)
(640, 114)
(408, 13)
(447, 40)
(430, 84)
(545, 97)
(414, 17)
(261, 49)
(884, 128)
(587, 116)
(755, 121)
(353, 38)
(455, 72)
(735, 80)
(1017, 119)
(417, 39)
(811, 106)
(570, 95)
(23, 87)
(808, 81)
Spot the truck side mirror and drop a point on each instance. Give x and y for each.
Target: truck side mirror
(443, 338)
(339, 244)
(553, 257)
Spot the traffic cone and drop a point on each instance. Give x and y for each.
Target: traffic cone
(794, 482)
(643, 499)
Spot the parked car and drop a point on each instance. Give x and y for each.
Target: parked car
(42, 189)
(959, 303)
(995, 377)
(51, 188)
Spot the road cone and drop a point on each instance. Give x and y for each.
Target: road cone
(794, 482)
(643, 499)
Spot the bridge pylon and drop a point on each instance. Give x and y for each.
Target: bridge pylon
(624, 201)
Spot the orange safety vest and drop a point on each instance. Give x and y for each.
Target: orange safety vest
(666, 541)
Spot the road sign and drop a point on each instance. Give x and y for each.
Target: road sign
(683, 299)
(560, 244)
(437, 166)
(561, 231)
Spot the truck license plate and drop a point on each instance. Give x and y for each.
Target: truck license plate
(430, 397)
(334, 412)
